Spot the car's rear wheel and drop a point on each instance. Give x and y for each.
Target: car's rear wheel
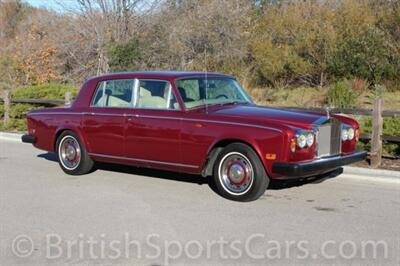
(239, 173)
(72, 155)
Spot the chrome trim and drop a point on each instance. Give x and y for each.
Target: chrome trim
(135, 92)
(315, 125)
(168, 118)
(58, 113)
(104, 114)
(143, 160)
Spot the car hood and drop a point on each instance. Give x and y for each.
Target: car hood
(267, 114)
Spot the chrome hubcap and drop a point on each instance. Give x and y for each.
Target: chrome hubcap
(236, 173)
(69, 152)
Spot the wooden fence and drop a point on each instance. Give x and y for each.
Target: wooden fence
(376, 112)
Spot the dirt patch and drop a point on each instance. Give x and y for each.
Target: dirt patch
(387, 164)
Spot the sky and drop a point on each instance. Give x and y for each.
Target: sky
(51, 4)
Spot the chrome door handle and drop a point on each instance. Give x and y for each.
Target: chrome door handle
(131, 117)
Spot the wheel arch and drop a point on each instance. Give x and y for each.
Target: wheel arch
(218, 146)
(60, 130)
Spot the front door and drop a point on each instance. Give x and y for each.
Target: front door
(153, 127)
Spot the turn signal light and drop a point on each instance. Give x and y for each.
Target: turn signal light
(357, 134)
(270, 156)
(293, 145)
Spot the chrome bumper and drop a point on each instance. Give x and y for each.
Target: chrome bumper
(320, 166)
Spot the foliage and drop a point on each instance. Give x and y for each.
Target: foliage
(273, 43)
(18, 111)
(124, 56)
(365, 55)
(341, 95)
(8, 72)
(391, 127)
(44, 91)
(18, 125)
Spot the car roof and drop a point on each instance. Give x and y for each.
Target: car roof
(160, 74)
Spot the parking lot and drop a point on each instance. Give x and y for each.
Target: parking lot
(125, 215)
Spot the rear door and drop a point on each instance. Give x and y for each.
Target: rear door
(104, 124)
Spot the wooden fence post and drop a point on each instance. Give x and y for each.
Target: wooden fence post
(68, 96)
(377, 128)
(7, 106)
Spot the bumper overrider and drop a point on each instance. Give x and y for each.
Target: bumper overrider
(28, 139)
(315, 167)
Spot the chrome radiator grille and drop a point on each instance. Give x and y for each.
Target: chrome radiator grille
(329, 139)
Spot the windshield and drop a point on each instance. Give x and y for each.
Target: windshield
(213, 90)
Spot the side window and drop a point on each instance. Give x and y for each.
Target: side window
(156, 94)
(188, 89)
(222, 88)
(114, 93)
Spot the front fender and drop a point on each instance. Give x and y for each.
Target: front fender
(263, 142)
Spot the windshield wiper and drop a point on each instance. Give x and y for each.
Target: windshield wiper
(233, 102)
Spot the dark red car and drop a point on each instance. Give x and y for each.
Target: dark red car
(192, 122)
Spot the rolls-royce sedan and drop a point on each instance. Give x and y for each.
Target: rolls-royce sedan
(192, 122)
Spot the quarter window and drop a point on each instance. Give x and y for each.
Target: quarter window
(114, 93)
(156, 94)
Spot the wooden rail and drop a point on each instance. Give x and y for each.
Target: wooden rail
(377, 114)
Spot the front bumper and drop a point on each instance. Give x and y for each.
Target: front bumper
(28, 139)
(320, 166)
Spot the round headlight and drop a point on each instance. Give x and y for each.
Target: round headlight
(301, 141)
(350, 133)
(310, 139)
(345, 134)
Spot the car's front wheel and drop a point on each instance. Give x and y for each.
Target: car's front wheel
(239, 173)
(72, 155)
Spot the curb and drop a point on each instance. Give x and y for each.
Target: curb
(11, 136)
(367, 172)
(350, 170)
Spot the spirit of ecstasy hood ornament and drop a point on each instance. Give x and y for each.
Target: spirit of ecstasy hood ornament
(328, 109)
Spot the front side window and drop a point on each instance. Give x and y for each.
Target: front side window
(213, 90)
(114, 93)
(156, 94)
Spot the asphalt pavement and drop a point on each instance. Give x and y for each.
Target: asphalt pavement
(129, 216)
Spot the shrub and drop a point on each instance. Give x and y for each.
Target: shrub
(124, 56)
(14, 125)
(341, 95)
(391, 126)
(19, 110)
(44, 91)
(1, 110)
(366, 55)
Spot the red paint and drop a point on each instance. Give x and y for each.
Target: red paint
(174, 140)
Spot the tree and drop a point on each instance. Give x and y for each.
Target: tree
(124, 56)
(366, 55)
